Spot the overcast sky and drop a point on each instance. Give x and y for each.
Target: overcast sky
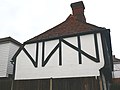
(24, 19)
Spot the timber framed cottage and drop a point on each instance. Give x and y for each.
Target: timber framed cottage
(73, 55)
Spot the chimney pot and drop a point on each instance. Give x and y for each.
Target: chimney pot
(78, 4)
(78, 11)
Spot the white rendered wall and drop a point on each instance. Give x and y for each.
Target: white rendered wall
(70, 66)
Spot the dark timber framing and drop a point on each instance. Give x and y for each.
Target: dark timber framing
(59, 46)
(44, 62)
(35, 62)
(107, 52)
(71, 35)
(14, 59)
(79, 47)
(60, 52)
(43, 50)
(96, 47)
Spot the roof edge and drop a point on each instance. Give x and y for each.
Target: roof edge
(66, 36)
(7, 39)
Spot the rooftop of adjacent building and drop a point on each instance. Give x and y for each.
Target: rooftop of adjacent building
(116, 60)
(9, 39)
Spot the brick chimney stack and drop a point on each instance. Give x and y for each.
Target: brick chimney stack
(78, 11)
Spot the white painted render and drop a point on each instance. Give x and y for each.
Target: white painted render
(49, 46)
(31, 49)
(7, 50)
(70, 56)
(70, 63)
(88, 45)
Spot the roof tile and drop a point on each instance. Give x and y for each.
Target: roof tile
(69, 27)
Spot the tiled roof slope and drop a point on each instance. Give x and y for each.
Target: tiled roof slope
(74, 24)
(69, 27)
